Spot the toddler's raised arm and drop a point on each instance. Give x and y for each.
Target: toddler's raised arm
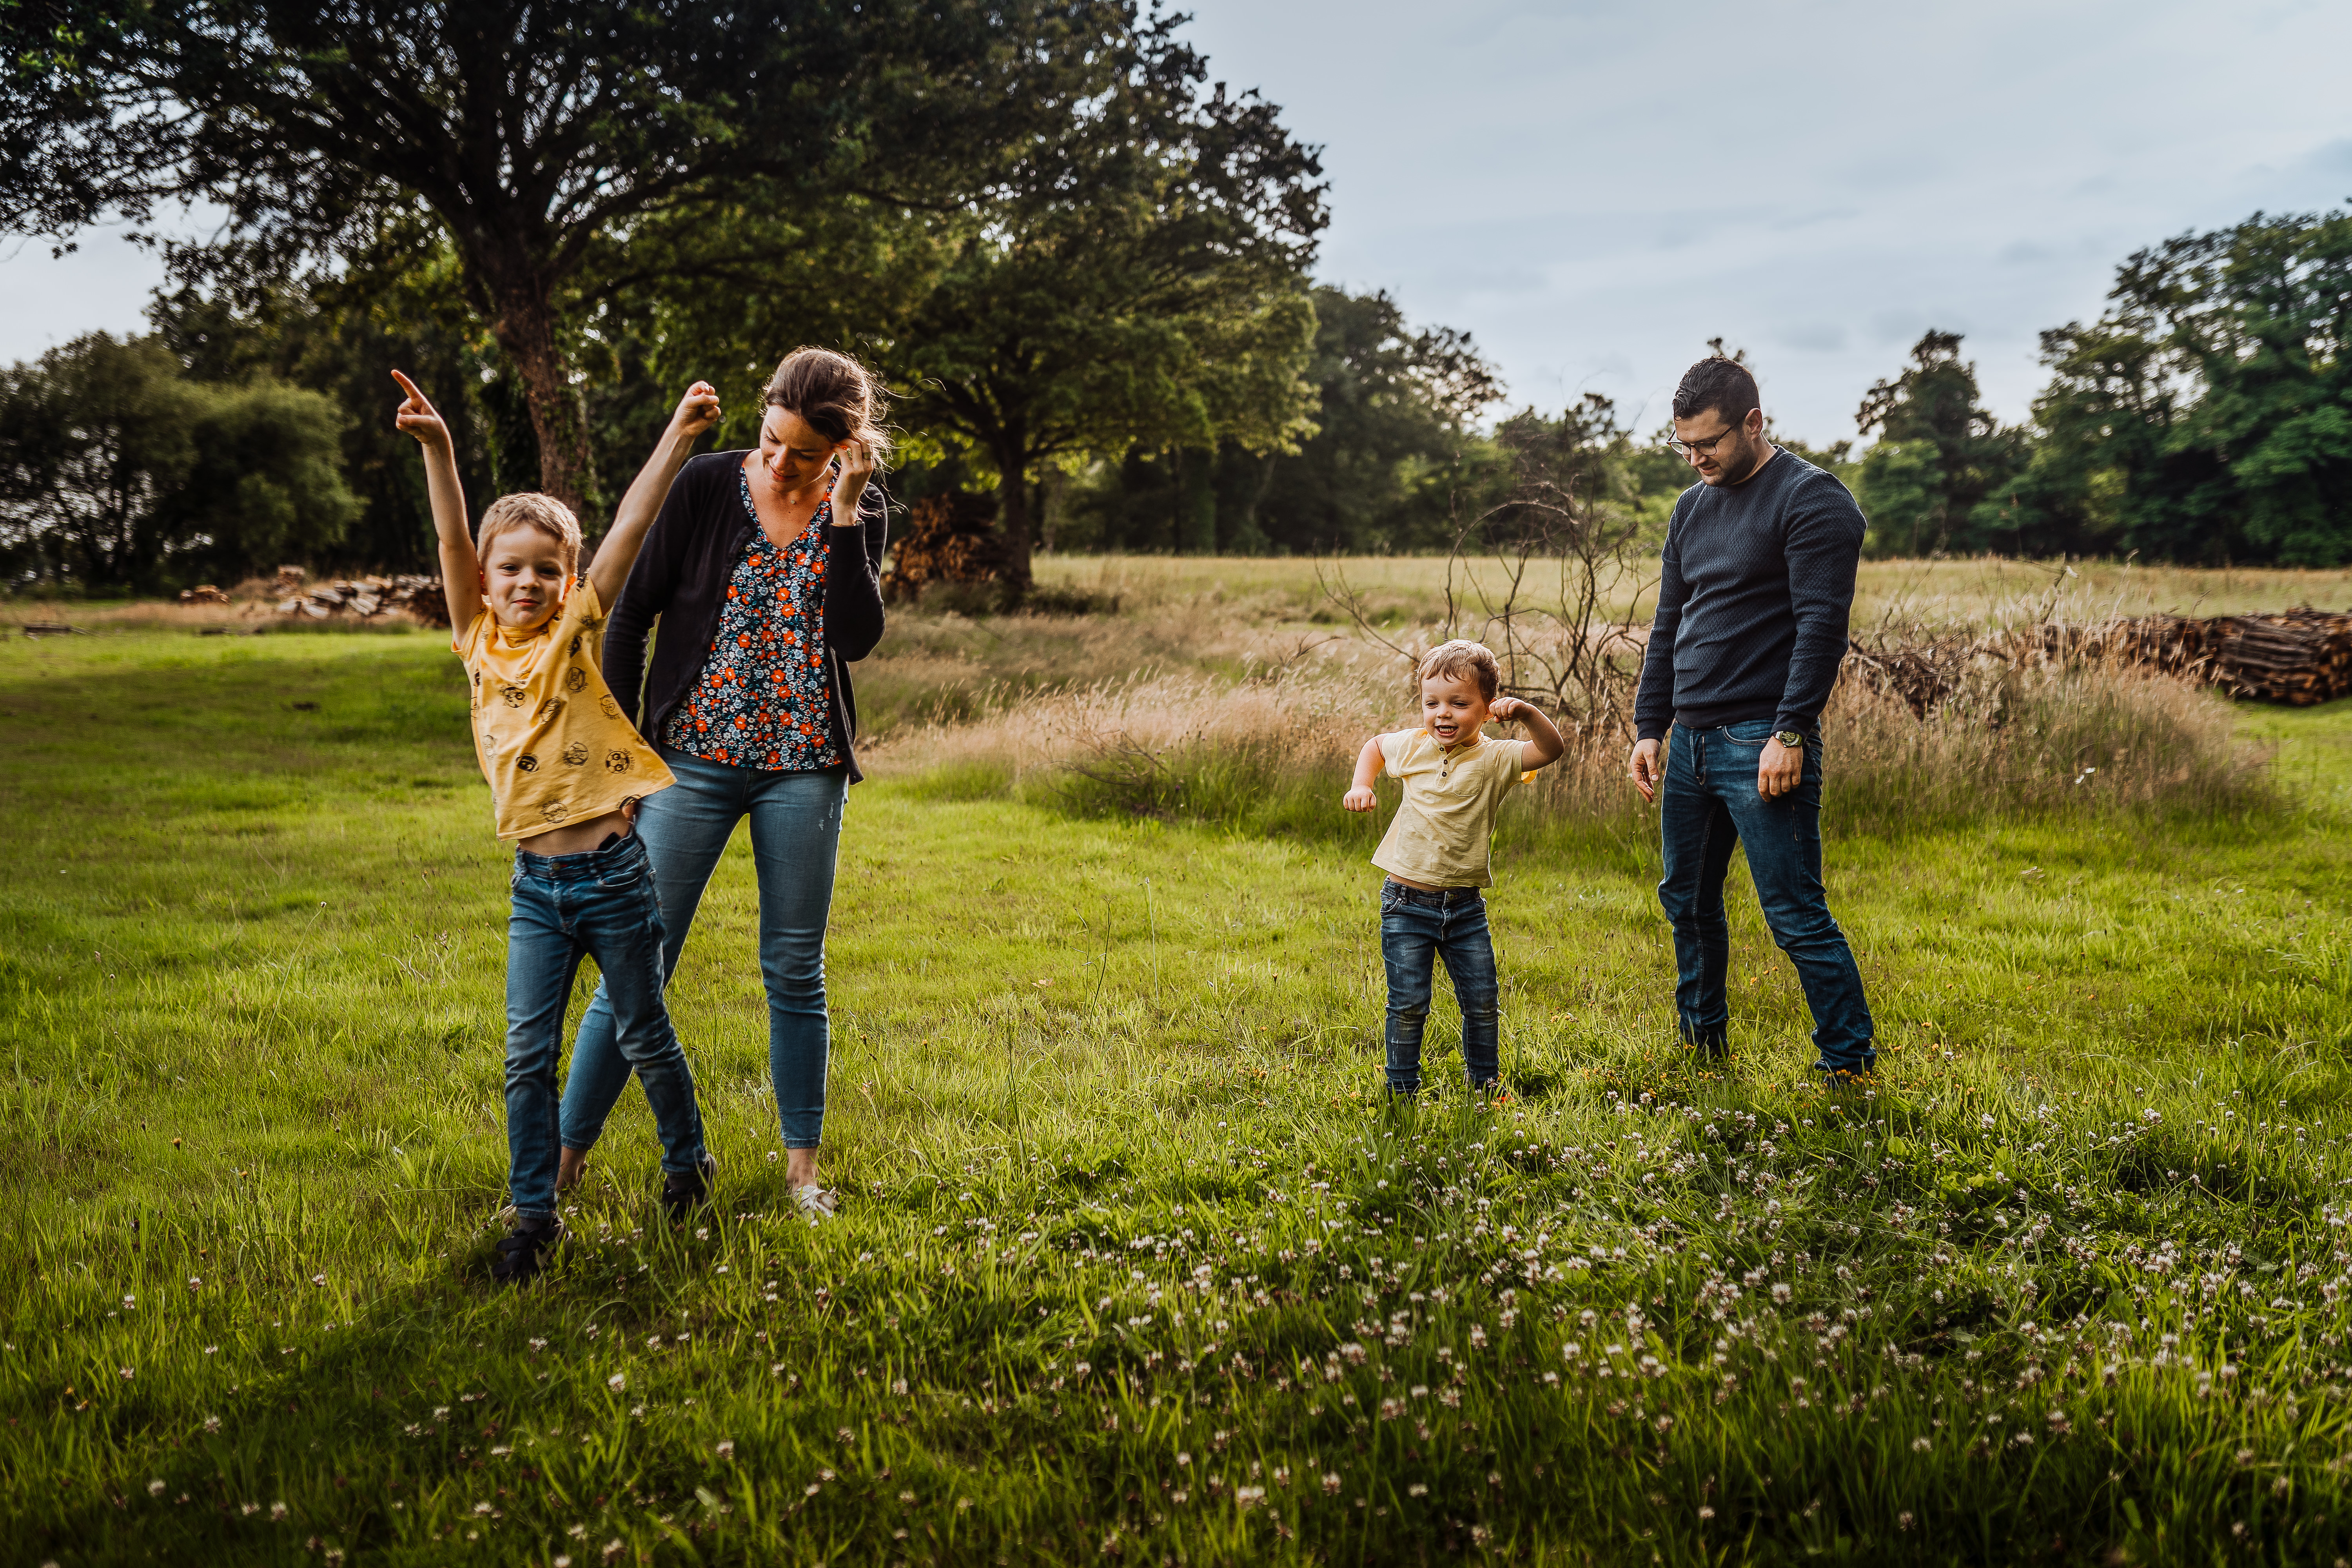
(1544, 744)
(1360, 795)
(461, 569)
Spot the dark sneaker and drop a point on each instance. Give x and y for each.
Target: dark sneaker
(681, 1195)
(523, 1250)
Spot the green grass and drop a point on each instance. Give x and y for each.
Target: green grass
(1133, 1262)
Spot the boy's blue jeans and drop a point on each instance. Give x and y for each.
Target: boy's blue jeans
(1708, 806)
(601, 905)
(795, 839)
(1416, 928)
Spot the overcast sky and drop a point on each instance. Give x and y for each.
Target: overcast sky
(1595, 190)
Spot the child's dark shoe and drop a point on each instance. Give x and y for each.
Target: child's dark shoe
(681, 1195)
(523, 1250)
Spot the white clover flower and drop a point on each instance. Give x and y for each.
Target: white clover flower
(617, 1382)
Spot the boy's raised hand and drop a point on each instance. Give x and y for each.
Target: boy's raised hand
(416, 416)
(461, 575)
(1360, 798)
(698, 411)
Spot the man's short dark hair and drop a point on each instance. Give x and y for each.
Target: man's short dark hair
(1720, 383)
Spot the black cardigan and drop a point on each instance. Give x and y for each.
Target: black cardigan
(682, 570)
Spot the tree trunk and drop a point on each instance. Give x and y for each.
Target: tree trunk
(525, 326)
(1012, 513)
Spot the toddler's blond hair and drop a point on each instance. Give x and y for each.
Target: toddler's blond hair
(1453, 660)
(529, 509)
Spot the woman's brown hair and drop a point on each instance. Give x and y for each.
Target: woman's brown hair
(840, 398)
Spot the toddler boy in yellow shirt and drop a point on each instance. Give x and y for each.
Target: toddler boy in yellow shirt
(566, 771)
(1436, 851)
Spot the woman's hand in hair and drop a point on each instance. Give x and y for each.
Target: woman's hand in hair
(857, 468)
(698, 411)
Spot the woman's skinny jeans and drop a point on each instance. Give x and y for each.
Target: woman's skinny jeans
(795, 838)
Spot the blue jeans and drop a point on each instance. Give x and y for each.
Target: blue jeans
(1710, 805)
(601, 905)
(795, 835)
(1415, 928)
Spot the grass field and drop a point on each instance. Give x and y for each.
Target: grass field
(1134, 1264)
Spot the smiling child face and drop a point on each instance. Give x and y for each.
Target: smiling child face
(1453, 709)
(523, 576)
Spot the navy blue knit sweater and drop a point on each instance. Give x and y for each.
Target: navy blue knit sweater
(1757, 579)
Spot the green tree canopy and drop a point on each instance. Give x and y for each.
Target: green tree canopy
(1135, 281)
(535, 136)
(1394, 414)
(2207, 415)
(1940, 453)
(116, 471)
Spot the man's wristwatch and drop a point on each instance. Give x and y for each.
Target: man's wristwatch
(1793, 739)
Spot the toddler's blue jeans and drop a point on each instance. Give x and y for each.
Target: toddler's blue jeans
(1417, 927)
(599, 904)
(795, 839)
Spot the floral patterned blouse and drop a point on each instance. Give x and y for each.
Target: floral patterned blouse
(764, 699)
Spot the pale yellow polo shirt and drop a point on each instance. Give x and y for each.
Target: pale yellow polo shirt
(552, 738)
(1440, 835)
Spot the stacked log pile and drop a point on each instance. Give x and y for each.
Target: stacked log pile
(2297, 656)
(365, 598)
(2302, 657)
(951, 538)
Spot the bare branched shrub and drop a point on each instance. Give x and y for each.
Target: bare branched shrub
(1554, 586)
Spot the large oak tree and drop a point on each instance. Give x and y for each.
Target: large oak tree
(538, 136)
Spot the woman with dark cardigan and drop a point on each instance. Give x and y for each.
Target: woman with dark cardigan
(764, 571)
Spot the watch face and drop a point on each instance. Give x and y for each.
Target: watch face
(1791, 739)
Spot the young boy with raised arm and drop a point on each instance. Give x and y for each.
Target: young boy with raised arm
(1436, 853)
(566, 771)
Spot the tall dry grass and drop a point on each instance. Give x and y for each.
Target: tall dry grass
(1272, 751)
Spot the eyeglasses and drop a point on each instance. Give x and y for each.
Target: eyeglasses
(1702, 448)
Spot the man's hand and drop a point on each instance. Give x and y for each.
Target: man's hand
(698, 411)
(416, 416)
(1644, 769)
(1779, 769)
(857, 468)
(1360, 798)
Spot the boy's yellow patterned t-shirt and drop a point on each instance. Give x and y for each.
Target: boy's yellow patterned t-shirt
(552, 736)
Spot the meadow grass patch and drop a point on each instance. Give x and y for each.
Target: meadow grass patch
(1136, 1259)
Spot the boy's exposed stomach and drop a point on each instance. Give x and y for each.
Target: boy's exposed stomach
(579, 838)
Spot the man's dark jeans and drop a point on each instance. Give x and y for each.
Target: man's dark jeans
(1417, 927)
(1709, 805)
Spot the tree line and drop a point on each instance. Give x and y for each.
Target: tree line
(1084, 265)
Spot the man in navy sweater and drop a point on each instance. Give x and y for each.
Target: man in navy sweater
(1757, 581)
